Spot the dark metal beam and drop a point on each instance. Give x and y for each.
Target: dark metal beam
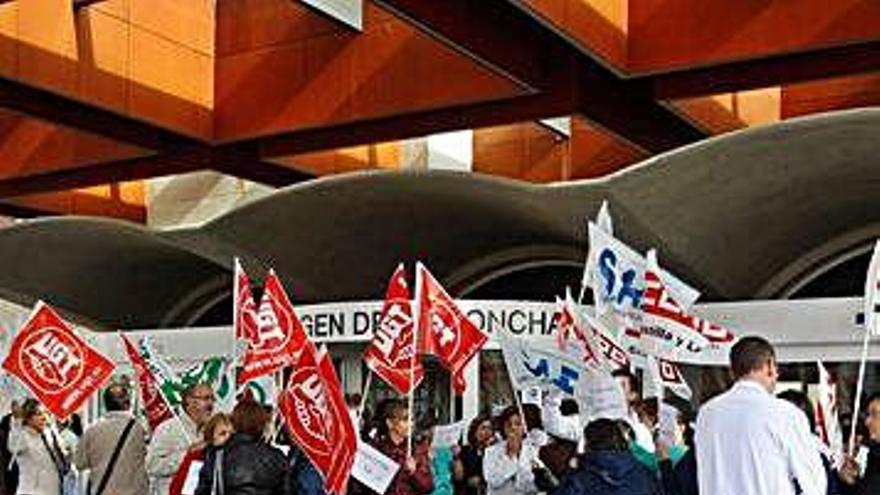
(770, 71)
(501, 34)
(52, 107)
(244, 161)
(143, 167)
(416, 124)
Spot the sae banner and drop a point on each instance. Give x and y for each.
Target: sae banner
(619, 276)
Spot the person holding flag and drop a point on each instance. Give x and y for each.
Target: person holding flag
(866, 481)
(414, 476)
(173, 438)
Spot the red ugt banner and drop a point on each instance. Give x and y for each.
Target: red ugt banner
(57, 365)
(279, 336)
(444, 330)
(392, 352)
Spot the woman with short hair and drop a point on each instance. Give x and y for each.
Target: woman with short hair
(508, 465)
(246, 464)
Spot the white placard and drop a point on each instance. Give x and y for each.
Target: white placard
(668, 424)
(192, 478)
(603, 397)
(447, 435)
(373, 468)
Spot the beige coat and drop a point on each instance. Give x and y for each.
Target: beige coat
(93, 452)
(38, 474)
(169, 445)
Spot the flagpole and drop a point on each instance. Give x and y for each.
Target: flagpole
(363, 404)
(859, 386)
(412, 362)
(516, 397)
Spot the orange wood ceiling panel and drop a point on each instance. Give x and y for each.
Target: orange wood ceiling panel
(32, 147)
(667, 34)
(831, 94)
(83, 203)
(599, 26)
(374, 156)
(287, 80)
(595, 153)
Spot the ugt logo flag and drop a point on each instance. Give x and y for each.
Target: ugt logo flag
(57, 365)
(392, 352)
(444, 329)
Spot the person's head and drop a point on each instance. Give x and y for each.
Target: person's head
(250, 418)
(511, 423)
(569, 407)
(218, 429)
(802, 402)
(397, 423)
(532, 417)
(629, 384)
(33, 415)
(116, 398)
(753, 358)
(605, 435)
(872, 417)
(198, 402)
(480, 432)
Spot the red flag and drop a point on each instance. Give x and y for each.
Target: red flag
(391, 354)
(154, 404)
(303, 404)
(569, 329)
(343, 432)
(313, 406)
(279, 335)
(444, 330)
(58, 366)
(244, 309)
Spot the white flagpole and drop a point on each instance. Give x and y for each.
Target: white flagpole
(412, 362)
(363, 404)
(859, 386)
(871, 281)
(516, 397)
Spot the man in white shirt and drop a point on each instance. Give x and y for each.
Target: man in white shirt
(749, 442)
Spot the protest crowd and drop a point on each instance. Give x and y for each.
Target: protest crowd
(590, 431)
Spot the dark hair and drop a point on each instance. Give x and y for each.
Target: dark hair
(116, 397)
(474, 426)
(634, 385)
(532, 417)
(871, 398)
(802, 402)
(750, 354)
(29, 409)
(568, 407)
(389, 409)
(506, 416)
(249, 418)
(605, 435)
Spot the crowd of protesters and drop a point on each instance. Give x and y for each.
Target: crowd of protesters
(744, 441)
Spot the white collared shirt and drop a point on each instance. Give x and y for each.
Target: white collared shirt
(748, 442)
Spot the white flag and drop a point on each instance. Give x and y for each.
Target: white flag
(668, 331)
(827, 412)
(665, 375)
(540, 363)
(618, 279)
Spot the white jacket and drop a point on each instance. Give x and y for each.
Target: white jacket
(507, 476)
(38, 474)
(167, 449)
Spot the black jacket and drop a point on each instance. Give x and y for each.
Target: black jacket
(870, 483)
(680, 478)
(609, 473)
(249, 467)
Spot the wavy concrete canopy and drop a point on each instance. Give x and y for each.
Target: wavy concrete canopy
(750, 214)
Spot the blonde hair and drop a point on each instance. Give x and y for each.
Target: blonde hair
(212, 424)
